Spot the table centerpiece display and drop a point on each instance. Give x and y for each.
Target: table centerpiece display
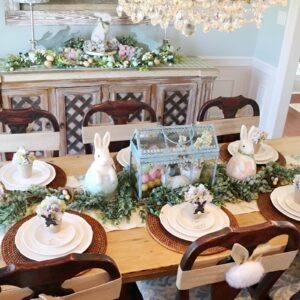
(163, 157)
(171, 156)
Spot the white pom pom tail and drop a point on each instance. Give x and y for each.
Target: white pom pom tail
(245, 275)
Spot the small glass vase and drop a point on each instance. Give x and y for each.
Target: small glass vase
(297, 195)
(257, 148)
(25, 171)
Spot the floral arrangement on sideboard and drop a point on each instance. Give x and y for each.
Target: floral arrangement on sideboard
(124, 53)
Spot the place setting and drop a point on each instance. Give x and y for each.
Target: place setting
(51, 233)
(26, 170)
(263, 153)
(284, 203)
(179, 225)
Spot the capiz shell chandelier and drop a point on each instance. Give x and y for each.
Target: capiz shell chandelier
(222, 15)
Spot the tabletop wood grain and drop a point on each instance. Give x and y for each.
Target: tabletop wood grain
(139, 256)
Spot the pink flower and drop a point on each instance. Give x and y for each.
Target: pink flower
(126, 52)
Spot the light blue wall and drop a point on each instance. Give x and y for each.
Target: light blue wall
(239, 43)
(270, 37)
(264, 43)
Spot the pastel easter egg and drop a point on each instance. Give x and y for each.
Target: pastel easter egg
(151, 184)
(62, 197)
(146, 168)
(67, 197)
(145, 178)
(50, 58)
(157, 182)
(144, 187)
(157, 173)
(65, 192)
(86, 64)
(48, 63)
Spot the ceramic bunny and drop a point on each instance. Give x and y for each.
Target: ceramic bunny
(100, 33)
(101, 175)
(242, 163)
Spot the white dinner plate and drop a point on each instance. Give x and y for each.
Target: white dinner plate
(168, 218)
(40, 241)
(85, 242)
(265, 154)
(286, 200)
(123, 157)
(43, 174)
(278, 192)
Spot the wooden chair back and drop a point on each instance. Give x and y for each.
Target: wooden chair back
(121, 130)
(228, 129)
(18, 122)
(55, 277)
(249, 237)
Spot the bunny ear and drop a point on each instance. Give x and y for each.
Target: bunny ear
(106, 139)
(243, 135)
(97, 141)
(250, 133)
(239, 253)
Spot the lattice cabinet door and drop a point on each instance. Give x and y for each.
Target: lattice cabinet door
(129, 91)
(175, 103)
(72, 105)
(25, 98)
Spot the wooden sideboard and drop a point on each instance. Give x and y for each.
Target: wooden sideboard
(175, 92)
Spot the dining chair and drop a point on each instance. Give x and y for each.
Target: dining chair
(189, 276)
(121, 113)
(228, 129)
(58, 278)
(18, 121)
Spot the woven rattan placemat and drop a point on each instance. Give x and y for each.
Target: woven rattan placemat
(171, 242)
(60, 179)
(225, 155)
(11, 254)
(270, 212)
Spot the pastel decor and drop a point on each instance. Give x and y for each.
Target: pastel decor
(242, 164)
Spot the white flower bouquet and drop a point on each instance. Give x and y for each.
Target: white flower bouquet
(199, 196)
(296, 183)
(204, 140)
(259, 136)
(23, 157)
(51, 209)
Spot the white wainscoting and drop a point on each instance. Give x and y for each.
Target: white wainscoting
(245, 76)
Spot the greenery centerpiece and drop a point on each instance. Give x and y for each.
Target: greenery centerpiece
(125, 53)
(14, 205)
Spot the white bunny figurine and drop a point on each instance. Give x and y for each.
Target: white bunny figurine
(101, 175)
(242, 163)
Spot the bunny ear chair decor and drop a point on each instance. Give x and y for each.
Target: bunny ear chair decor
(101, 176)
(242, 164)
(247, 271)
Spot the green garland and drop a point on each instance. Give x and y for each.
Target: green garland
(15, 205)
(126, 54)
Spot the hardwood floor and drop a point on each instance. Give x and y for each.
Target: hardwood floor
(292, 125)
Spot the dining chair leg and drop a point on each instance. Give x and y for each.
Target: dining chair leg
(130, 291)
(222, 290)
(261, 290)
(296, 296)
(182, 295)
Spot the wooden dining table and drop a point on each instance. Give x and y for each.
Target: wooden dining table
(137, 254)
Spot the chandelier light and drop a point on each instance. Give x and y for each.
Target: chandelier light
(222, 15)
